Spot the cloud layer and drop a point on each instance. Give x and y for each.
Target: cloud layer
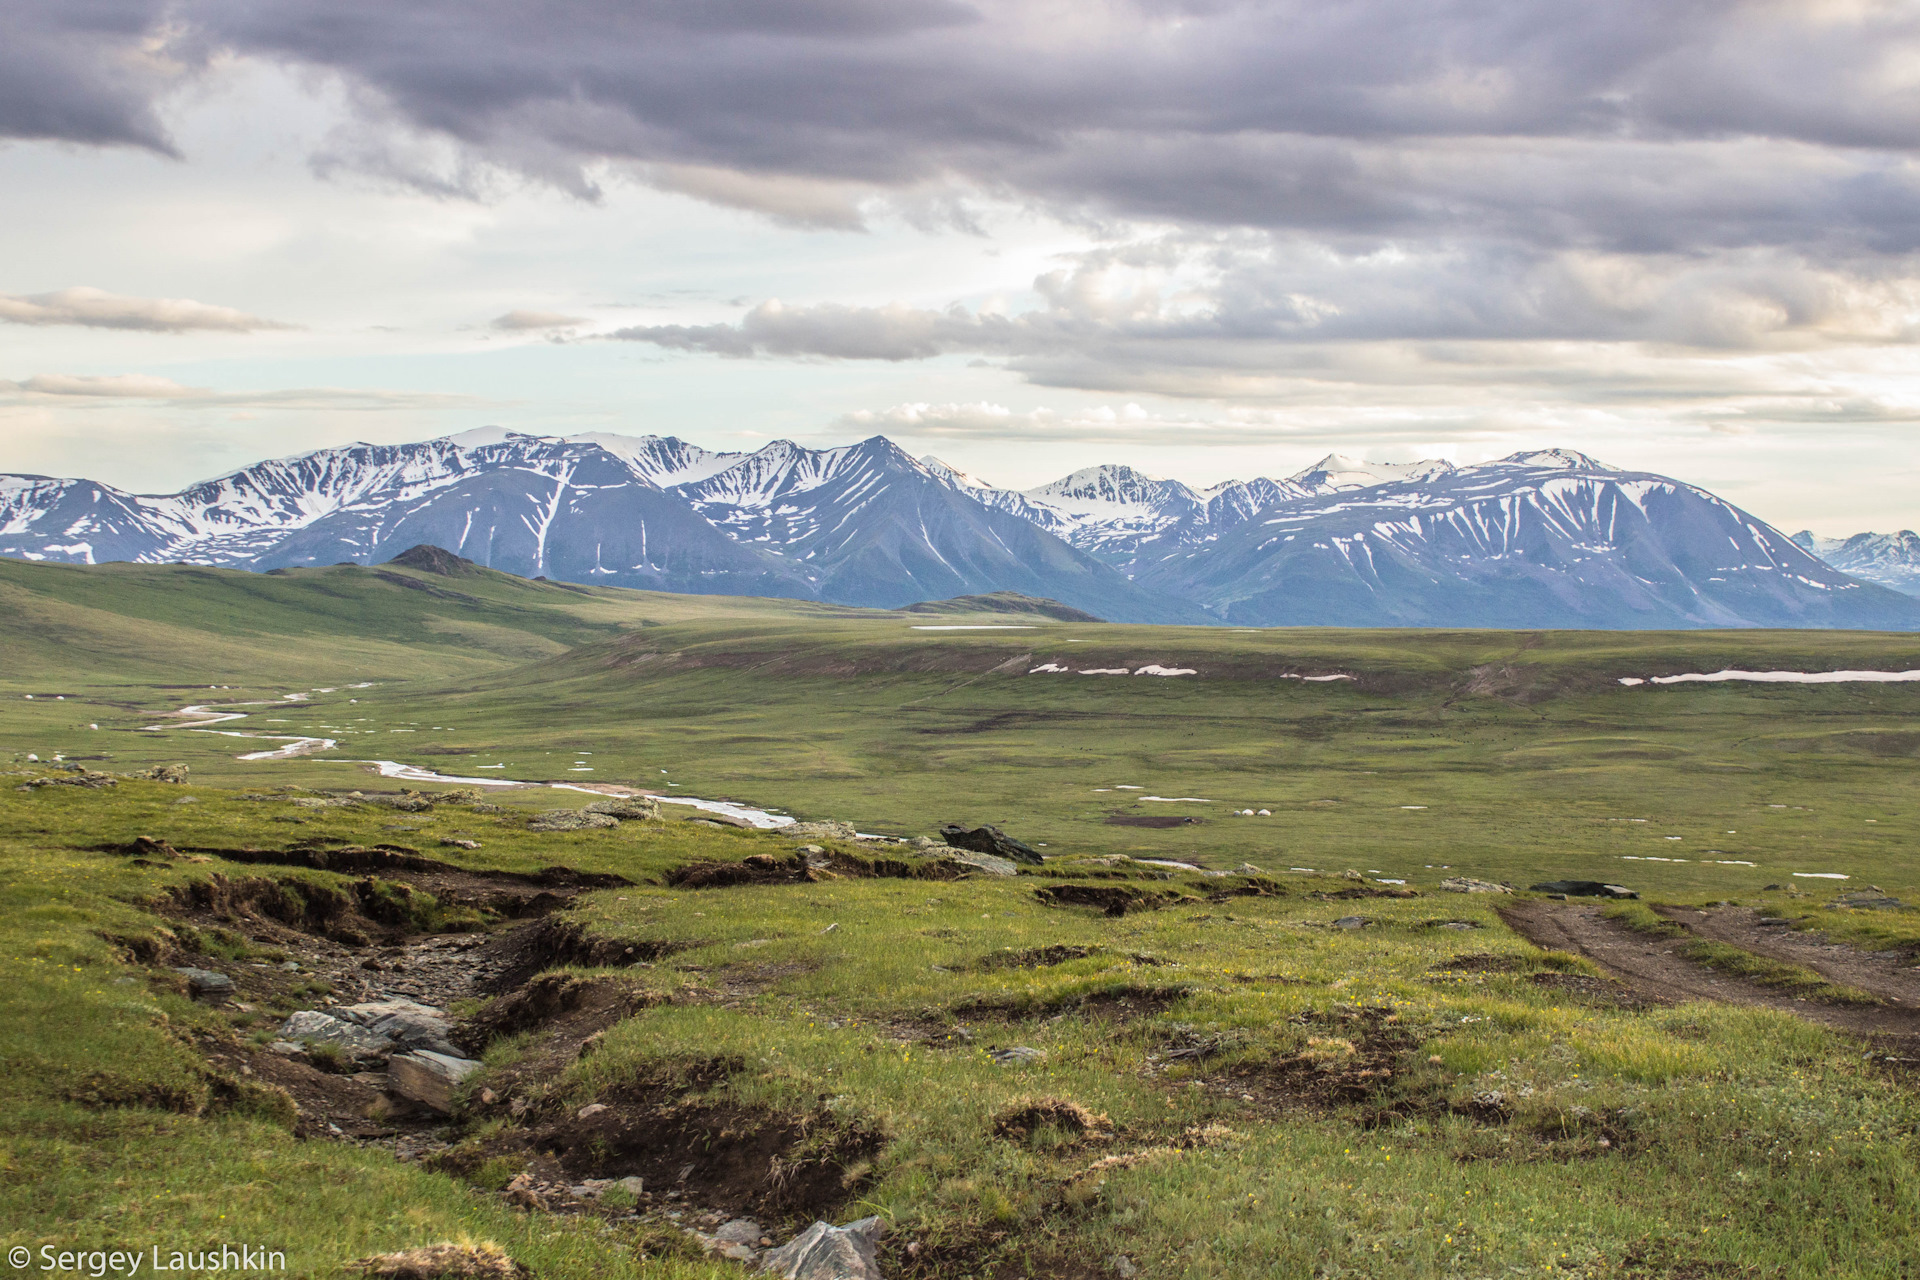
(1637, 124)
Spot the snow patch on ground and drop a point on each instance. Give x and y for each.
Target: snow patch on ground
(1780, 677)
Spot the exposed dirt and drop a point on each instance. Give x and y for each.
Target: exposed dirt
(1890, 975)
(1151, 820)
(764, 868)
(1034, 957)
(1655, 971)
(728, 1157)
(1114, 900)
(1118, 1003)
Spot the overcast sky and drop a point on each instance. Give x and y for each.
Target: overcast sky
(1204, 237)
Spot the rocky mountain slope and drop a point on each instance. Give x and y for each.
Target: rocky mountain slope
(1541, 539)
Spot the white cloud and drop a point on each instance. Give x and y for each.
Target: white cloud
(98, 309)
(103, 388)
(523, 320)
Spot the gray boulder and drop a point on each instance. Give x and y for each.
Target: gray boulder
(310, 1026)
(1584, 889)
(826, 1252)
(986, 862)
(572, 820)
(206, 986)
(1467, 884)
(990, 840)
(409, 1025)
(632, 808)
(428, 1078)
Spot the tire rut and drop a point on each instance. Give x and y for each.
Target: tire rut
(1656, 971)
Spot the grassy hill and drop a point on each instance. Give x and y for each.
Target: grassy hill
(1277, 1072)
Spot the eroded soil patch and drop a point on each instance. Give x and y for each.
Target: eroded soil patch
(722, 1155)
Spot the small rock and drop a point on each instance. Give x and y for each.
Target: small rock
(206, 986)
(1019, 1053)
(1467, 884)
(290, 966)
(521, 1191)
(827, 1252)
(286, 1048)
(739, 1231)
(591, 1110)
(1123, 1266)
(1868, 901)
(459, 843)
(488, 1097)
(429, 1078)
(631, 1184)
(1350, 922)
(825, 829)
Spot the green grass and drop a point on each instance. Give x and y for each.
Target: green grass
(1734, 1131)
(1731, 1134)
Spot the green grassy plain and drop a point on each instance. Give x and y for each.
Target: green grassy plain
(1737, 1142)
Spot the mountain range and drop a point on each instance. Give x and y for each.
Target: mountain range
(1542, 539)
(1890, 559)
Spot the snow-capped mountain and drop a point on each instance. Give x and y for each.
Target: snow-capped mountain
(860, 525)
(1119, 514)
(1543, 539)
(1551, 539)
(1890, 559)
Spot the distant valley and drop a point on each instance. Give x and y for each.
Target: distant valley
(1542, 539)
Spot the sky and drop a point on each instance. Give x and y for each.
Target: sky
(1207, 238)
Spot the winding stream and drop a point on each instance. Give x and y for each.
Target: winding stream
(199, 717)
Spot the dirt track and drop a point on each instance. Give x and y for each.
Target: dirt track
(1656, 971)
(1891, 975)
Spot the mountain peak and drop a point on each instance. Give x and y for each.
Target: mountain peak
(1552, 459)
(1339, 471)
(428, 558)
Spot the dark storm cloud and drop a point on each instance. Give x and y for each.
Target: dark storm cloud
(84, 71)
(1367, 117)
